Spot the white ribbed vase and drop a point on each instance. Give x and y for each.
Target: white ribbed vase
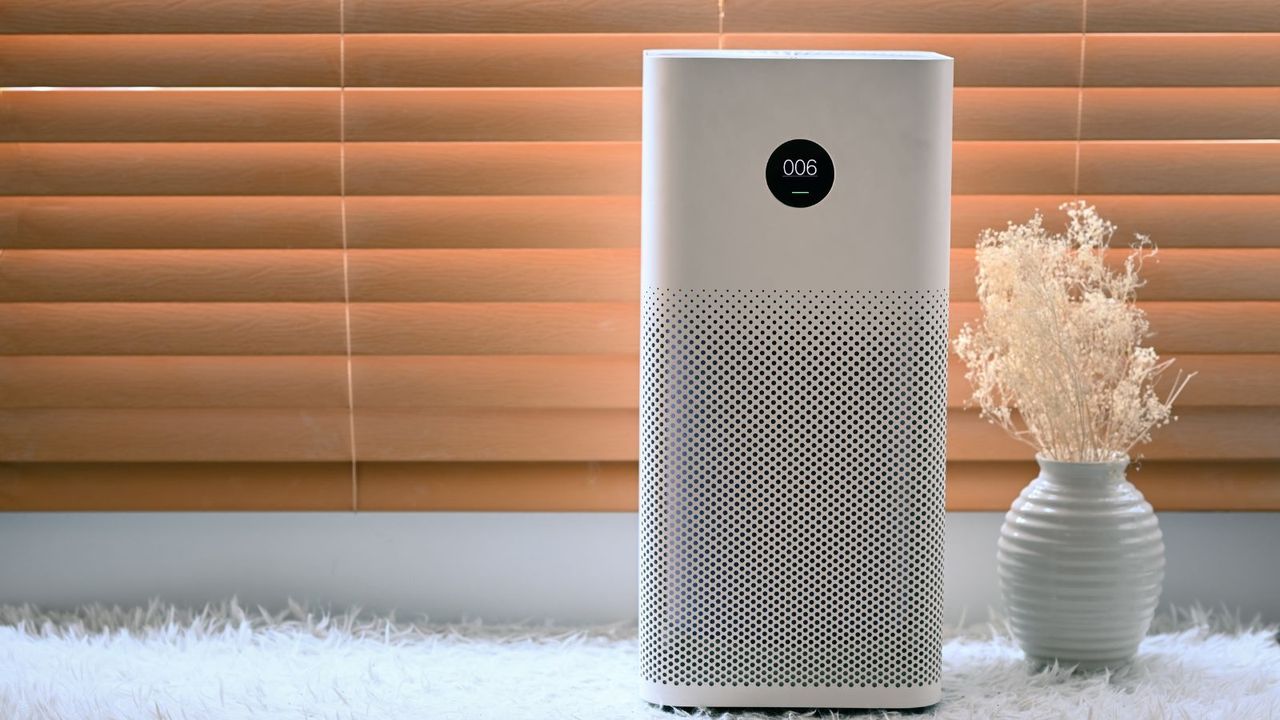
(1081, 562)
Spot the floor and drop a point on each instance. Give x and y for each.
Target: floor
(229, 661)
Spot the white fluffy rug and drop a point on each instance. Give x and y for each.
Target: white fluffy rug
(229, 662)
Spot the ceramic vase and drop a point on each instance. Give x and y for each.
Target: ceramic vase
(1081, 562)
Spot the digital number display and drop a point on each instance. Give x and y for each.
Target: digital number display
(799, 173)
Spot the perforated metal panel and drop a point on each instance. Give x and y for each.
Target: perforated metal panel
(792, 487)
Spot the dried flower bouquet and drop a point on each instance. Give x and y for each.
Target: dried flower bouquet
(1057, 358)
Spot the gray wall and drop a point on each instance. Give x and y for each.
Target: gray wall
(571, 567)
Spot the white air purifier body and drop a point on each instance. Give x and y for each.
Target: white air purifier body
(793, 377)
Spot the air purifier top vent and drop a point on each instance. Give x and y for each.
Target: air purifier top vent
(796, 54)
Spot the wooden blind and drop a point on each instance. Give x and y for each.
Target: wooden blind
(382, 254)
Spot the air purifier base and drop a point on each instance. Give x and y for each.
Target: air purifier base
(790, 697)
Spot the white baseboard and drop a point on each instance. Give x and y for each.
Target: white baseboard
(569, 567)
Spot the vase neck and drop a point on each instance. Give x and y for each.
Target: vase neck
(1098, 473)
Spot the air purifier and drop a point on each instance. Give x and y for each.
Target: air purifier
(795, 222)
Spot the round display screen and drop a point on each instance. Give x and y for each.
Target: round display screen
(799, 173)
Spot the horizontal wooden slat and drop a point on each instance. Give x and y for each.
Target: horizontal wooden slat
(1229, 166)
(170, 169)
(1174, 16)
(512, 275)
(174, 435)
(494, 328)
(168, 16)
(1168, 486)
(521, 381)
(983, 168)
(604, 168)
(896, 16)
(195, 486)
(612, 381)
(982, 60)
(173, 382)
(1218, 381)
(453, 114)
(551, 486)
(172, 329)
(170, 60)
(503, 381)
(587, 168)
(1172, 274)
(495, 221)
(541, 222)
(536, 16)
(1171, 220)
(595, 168)
(1194, 327)
(559, 60)
(170, 222)
(555, 328)
(1190, 60)
(169, 115)
(1014, 113)
(472, 328)
(1180, 113)
(526, 487)
(478, 114)
(462, 486)
(469, 434)
(1198, 434)
(469, 114)
(172, 275)
(508, 275)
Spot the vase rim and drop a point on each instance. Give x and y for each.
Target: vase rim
(1122, 460)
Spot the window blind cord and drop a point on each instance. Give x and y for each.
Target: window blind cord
(1084, 38)
(346, 273)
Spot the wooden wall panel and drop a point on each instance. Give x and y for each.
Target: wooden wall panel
(172, 276)
(453, 381)
(614, 221)
(1183, 16)
(211, 435)
(1237, 113)
(139, 221)
(557, 434)
(982, 60)
(176, 486)
(1240, 486)
(609, 381)
(491, 168)
(532, 16)
(211, 115)
(515, 275)
(1173, 221)
(493, 222)
(905, 16)
(74, 61)
(184, 381)
(1177, 60)
(523, 487)
(492, 114)
(233, 231)
(582, 114)
(505, 60)
(170, 169)
(477, 328)
(170, 16)
(1235, 166)
(105, 328)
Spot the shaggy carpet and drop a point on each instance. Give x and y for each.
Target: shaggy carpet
(230, 662)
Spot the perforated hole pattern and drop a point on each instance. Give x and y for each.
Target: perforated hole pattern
(793, 471)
